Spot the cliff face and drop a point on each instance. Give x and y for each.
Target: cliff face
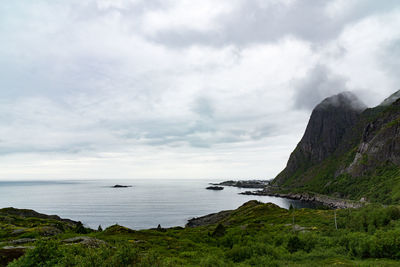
(325, 130)
(348, 151)
(380, 142)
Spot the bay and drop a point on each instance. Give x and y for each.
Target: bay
(146, 204)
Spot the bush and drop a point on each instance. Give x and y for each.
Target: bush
(213, 261)
(294, 244)
(125, 256)
(80, 229)
(239, 253)
(45, 253)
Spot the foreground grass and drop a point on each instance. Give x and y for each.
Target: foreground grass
(255, 234)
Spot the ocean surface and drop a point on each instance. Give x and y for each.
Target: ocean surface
(144, 205)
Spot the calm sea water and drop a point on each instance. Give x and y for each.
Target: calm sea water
(144, 205)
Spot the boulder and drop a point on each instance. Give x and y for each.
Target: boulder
(22, 241)
(86, 241)
(10, 253)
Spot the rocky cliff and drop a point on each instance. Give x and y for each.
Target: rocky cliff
(348, 151)
(380, 143)
(328, 124)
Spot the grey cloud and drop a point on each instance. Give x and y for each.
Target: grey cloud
(390, 60)
(40, 125)
(191, 132)
(69, 149)
(104, 86)
(203, 107)
(344, 98)
(318, 84)
(255, 21)
(205, 128)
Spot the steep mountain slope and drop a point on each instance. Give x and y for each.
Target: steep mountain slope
(348, 151)
(391, 99)
(328, 124)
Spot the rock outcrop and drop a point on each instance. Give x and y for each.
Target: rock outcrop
(121, 186)
(391, 99)
(209, 219)
(328, 124)
(380, 143)
(330, 202)
(215, 188)
(348, 151)
(26, 213)
(10, 253)
(86, 241)
(245, 183)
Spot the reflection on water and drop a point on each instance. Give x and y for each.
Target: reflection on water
(144, 205)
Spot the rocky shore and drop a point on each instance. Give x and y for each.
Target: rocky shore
(330, 202)
(208, 219)
(244, 183)
(266, 189)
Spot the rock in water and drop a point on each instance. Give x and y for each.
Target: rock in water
(121, 186)
(215, 188)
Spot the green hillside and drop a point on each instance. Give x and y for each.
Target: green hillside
(363, 164)
(255, 234)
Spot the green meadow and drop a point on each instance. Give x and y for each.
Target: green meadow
(255, 234)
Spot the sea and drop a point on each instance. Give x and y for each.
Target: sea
(146, 204)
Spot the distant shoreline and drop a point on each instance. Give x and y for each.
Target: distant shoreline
(265, 189)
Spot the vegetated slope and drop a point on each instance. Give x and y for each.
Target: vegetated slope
(348, 151)
(255, 234)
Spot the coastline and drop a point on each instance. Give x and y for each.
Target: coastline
(265, 189)
(28, 234)
(327, 201)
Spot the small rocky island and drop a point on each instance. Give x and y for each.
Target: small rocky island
(244, 183)
(214, 187)
(121, 186)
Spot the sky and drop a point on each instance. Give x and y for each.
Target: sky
(219, 89)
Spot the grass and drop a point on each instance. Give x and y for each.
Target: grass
(255, 234)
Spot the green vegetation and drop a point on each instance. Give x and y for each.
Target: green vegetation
(255, 234)
(373, 174)
(380, 186)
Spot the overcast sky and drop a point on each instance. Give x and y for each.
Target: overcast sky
(93, 89)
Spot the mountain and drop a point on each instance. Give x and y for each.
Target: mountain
(391, 99)
(348, 151)
(328, 124)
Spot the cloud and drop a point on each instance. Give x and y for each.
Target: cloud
(367, 47)
(176, 88)
(254, 21)
(390, 60)
(317, 85)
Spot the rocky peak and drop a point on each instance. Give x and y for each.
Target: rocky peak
(344, 100)
(328, 124)
(391, 99)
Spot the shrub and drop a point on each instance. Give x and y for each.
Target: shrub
(239, 253)
(80, 229)
(125, 256)
(294, 244)
(45, 253)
